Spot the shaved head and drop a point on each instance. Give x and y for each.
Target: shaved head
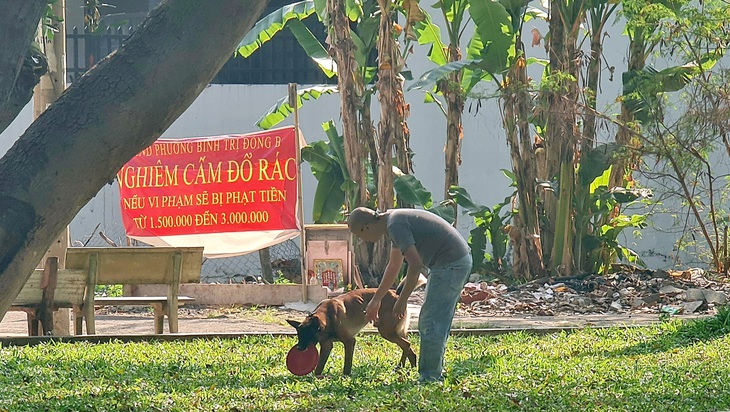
(360, 217)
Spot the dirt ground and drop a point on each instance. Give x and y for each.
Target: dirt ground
(270, 320)
(191, 320)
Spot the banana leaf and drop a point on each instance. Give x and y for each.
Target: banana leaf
(494, 26)
(429, 79)
(337, 150)
(426, 32)
(328, 199)
(473, 75)
(318, 157)
(329, 195)
(444, 210)
(410, 190)
(313, 47)
(337, 146)
(597, 162)
(463, 199)
(266, 28)
(290, 16)
(642, 88)
(281, 110)
(353, 8)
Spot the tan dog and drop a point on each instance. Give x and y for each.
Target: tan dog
(342, 317)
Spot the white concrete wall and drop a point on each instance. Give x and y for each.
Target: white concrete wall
(223, 109)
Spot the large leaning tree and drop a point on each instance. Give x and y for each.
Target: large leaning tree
(104, 119)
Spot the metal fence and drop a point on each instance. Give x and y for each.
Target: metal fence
(279, 61)
(285, 257)
(84, 48)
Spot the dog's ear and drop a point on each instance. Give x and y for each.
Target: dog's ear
(296, 324)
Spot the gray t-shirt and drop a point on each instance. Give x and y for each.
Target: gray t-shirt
(436, 241)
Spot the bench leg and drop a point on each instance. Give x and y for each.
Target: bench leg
(159, 317)
(46, 320)
(89, 318)
(172, 317)
(33, 322)
(88, 309)
(78, 320)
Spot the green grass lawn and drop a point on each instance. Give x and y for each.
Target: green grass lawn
(671, 367)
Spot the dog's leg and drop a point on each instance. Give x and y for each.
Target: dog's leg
(405, 346)
(396, 332)
(349, 353)
(407, 354)
(325, 349)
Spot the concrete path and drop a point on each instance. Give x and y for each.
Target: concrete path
(14, 323)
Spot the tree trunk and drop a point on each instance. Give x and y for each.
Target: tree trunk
(525, 231)
(594, 72)
(104, 119)
(390, 95)
(18, 75)
(553, 135)
(589, 132)
(392, 129)
(629, 126)
(562, 136)
(367, 131)
(451, 89)
(351, 89)
(357, 129)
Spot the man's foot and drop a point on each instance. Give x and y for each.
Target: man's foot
(430, 379)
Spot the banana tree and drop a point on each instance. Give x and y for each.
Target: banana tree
(328, 163)
(528, 157)
(491, 227)
(598, 14)
(329, 166)
(562, 134)
(351, 86)
(450, 86)
(392, 128)
(352, 51)
(496, 51)
(356, 30)
(599, 216)
(453, 79)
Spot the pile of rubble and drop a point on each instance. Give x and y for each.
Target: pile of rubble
(627, 291)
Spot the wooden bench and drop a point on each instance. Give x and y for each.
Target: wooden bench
(47, 290)
(138, 266)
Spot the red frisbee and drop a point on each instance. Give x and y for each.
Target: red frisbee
(301, 362)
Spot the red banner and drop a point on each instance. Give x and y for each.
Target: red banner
(233, 183)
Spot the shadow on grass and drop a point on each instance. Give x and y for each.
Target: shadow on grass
(472, 365)
(686, 333)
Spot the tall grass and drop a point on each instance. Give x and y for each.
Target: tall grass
(670, 367)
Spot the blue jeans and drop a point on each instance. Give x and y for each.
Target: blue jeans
(443, 291)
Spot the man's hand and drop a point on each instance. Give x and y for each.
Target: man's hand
(400, 307)
(371, 312)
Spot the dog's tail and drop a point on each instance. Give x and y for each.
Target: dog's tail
(420, 282)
